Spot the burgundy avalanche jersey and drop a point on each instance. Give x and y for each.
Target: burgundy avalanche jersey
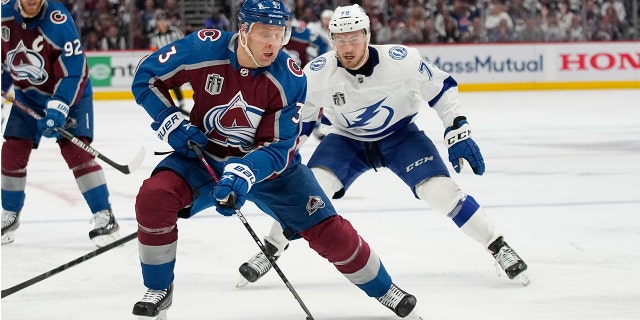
(44, 54)
(250, 113)
(305, 45)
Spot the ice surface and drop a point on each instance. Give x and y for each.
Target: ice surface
(561, 183)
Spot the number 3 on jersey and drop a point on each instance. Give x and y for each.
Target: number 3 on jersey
(165, 57)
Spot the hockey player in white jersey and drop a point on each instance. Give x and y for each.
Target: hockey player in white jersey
(371, 95)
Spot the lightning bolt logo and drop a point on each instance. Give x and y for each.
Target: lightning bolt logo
(376, 114)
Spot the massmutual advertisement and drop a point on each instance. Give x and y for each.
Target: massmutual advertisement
(476, 67)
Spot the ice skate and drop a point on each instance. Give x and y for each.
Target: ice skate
(400, 302)
(105, 228)
(509, 261)
(10, 223)
(257, 266)
(154, 304)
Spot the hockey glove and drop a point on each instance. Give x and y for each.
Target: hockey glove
(461, 146)
(174, 128)
(57, 112)
(232, 190)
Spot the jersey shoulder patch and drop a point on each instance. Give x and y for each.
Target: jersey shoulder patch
(294, 67)
(398, 52)
(209, 34)
(318, 63)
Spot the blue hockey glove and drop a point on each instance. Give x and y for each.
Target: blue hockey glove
(461, 146)
(57, 112)
(177, 131)
(234, 185)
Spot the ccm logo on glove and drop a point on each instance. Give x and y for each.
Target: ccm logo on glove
(458, 135)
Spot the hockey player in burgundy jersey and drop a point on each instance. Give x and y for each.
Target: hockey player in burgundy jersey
(41, 50)
(304, 44)
(371, 94)
(248, 97)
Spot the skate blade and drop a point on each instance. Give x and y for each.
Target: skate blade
(242, 281)
(523, 279)
(161, 316)
(103, 240)
(8, 237)
(414, 315)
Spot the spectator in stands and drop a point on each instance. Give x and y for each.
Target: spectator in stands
(92, 41)
(397, 15)
(618, 8)
(565, 16)
(575, 32)
(308, 15)
(383, 33)
(497, 13)
(413, 32)
(378, 22)
(551, 27)
(172, 12)
(502, 33)
(447, 28)
(463, 15)
(430, 34)
(217, 20)
(614, 17)
(608, 29)
(477, 33)
(113, 40)
(318, 6)
(147, 18)
(518, 12)
(531, 31)
(592, 15)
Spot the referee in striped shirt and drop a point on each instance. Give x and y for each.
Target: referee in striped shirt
(164, 35)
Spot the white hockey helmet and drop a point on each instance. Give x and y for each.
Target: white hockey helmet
(349, 18)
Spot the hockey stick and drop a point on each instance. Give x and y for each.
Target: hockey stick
(18, 287)
(126, 169)
(253, 234)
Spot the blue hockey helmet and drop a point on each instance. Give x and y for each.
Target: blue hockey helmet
(271, 12)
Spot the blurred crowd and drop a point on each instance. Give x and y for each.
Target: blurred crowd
(130, 24)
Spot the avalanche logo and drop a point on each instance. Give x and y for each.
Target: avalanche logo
(314, 203)
(27, 65)
(294, 67)
(209, 34)
(234, 124)
(374, 117)
(58, 17)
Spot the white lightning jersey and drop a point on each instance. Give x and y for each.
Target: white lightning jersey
(369, 108)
